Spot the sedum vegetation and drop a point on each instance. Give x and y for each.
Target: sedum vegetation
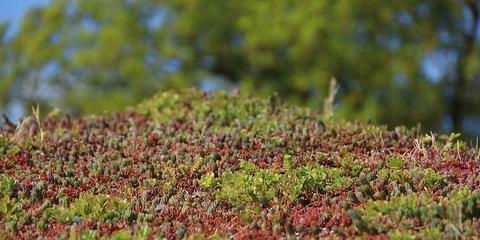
(214, 166)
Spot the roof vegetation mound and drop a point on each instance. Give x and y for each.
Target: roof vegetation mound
(205, 166)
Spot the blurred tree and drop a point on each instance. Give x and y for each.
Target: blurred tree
(467, 57)
(4, 86)
(91, 56)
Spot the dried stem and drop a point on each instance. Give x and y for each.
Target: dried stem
(36, 114)
(328, 102)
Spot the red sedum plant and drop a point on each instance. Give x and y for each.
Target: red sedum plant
(212, 166)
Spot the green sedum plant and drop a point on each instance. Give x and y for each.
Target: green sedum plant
(90, 207)
(8, 184)
(208, 181)
(249, 186)
(252, 185)
(453, 216)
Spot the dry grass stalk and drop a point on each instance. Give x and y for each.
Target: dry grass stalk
(329, 100)
(22, 130)
(27, 126)
(36, 114)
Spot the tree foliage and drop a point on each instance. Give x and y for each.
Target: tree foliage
(90, 56)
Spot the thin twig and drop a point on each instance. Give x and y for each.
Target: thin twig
(7, 121)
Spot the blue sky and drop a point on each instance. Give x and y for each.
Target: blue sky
(13, 11)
